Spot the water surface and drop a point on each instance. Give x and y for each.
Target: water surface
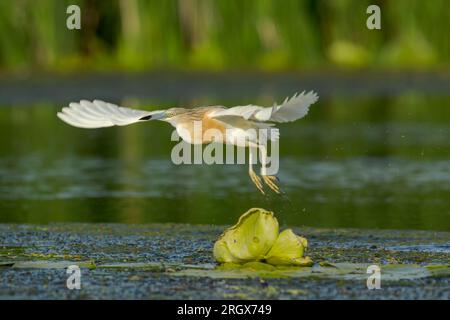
(352, 162)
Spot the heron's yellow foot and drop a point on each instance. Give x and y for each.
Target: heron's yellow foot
(271, 182)
(256, 180)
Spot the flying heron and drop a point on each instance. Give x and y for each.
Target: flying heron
(238, 125)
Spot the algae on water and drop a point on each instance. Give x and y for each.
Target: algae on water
(255, 237)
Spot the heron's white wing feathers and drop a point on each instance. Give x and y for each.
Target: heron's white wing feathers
(98, 114)
(295, 108)
(290, 110)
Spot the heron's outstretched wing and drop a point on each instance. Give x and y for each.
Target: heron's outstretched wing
(99, 114)
(290, 110)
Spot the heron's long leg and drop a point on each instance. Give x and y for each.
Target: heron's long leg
(255, 179)
(270, 181)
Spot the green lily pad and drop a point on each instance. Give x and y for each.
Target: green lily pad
(6, 264)
(255, 238)
(250, 239)
(340, 271)
(45, 264)
(288, 249)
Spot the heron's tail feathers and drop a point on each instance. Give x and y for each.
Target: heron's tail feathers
(99, 114)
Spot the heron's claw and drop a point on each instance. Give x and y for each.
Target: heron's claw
(257, 181)
(271, 182)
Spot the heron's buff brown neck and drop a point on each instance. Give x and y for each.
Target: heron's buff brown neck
(188, 122)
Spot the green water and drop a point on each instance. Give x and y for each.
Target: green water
(352, 162)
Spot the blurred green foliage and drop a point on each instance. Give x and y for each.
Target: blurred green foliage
(222, 34)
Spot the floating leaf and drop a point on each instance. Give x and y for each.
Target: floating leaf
(44, 264)
(288, 249)
(249, 240)
(255, 239)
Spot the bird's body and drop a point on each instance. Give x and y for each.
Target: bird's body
(193, 126)
(185, 124)
(243, 126)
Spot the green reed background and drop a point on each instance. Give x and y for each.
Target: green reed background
(223, 34)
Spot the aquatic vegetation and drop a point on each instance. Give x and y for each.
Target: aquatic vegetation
(250, 239)
(39, 270)
(288, 249)
(46, 264)
(256, 238)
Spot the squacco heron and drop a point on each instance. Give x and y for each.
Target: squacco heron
(234, 124)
